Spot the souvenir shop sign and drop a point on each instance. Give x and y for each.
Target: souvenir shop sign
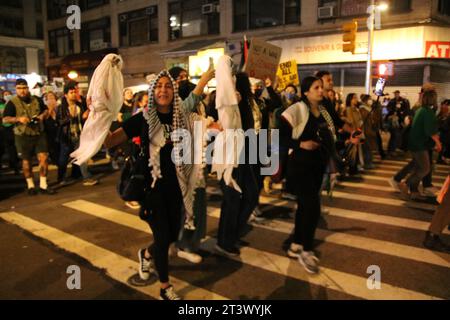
(263, 59)
(287, 74)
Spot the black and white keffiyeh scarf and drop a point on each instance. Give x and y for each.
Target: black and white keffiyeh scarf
(190, 176)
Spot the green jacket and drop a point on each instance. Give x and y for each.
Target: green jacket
(424, 126)
(27, 110)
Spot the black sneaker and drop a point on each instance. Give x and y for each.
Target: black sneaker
(433, 242)
(234, 252)
(145, 265)
(168, 294)
(32, 192)
(48, 191)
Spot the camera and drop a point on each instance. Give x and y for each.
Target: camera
(34, 121)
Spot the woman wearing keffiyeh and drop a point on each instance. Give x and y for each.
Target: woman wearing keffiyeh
(170, 182)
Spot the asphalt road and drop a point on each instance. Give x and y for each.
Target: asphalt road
(90, 227)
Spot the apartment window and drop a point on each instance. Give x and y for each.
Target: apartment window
(139, 27)
(60, 42)
(11, 26)
(400, 6)
(351, 8)
(39, 30)
(58, 8)
(444, 7)
(186, 18)
(254, 14)
(12, 3)
(90, 4)
(96, 35)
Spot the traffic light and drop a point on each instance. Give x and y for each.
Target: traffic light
(349, 36)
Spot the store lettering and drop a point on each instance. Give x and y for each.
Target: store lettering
(436, 49)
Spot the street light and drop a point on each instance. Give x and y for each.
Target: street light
(73, 75)
(383, 6)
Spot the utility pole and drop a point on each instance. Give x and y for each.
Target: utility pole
(371, 27)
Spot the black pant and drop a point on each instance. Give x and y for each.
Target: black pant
(305, 174)
(237, 207)
(10, 148)
(164, 213)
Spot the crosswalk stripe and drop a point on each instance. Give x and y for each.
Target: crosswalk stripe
(365, 186)
(386, 179)
(364, 243)
(328, 278)
(375, 171)
(395, 168)
(117, 267)
(406, 161)
(385, 201)
(356, 215)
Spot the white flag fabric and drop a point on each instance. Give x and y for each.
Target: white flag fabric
(105, 98)
(228, 145)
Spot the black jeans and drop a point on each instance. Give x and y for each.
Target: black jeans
(305, 172)
(237, 207)
(420, 170)
(164, 215)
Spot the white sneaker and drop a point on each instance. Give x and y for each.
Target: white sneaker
(145, 265)
(90, 182)
(295, 250)
(133, 205)
(189, 256)
(309, 261)
(430, 192)
(394, 184)
(288, 196)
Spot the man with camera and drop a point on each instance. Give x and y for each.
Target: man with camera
(27, 113)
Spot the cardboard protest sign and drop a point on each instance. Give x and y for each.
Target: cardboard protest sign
(287, 74)
(263, 60)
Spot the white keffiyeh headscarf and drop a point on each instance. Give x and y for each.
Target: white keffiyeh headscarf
(190, 176)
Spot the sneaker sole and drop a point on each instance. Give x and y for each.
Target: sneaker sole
(225, 253)
(306, 267)
(293, 255)
(141, 275)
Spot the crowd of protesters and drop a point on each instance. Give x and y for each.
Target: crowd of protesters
(324, 138)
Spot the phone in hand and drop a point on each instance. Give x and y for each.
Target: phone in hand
(379, 88)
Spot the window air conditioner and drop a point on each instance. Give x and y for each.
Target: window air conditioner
(325, 12)
(208, 8)
(150, 11)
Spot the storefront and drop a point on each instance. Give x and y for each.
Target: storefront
(82, 66)
(420, 54)
(195, 57)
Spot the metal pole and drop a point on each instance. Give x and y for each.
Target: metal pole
(370, 46)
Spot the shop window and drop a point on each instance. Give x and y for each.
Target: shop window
(96, 35)
(12, 3)
(60, 42)
(192, 18)
(254, 14)
(139, 27)
(444, 7)
(13, 60)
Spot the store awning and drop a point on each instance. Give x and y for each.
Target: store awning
(191, 48)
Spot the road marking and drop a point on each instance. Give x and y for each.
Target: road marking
(375, 171)
(386, 179)
(117, 267)
(396, 168)
(364, 243)
(356, 215)
(384, 247)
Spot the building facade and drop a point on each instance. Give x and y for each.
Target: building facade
(21, 42)
(153, 34)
